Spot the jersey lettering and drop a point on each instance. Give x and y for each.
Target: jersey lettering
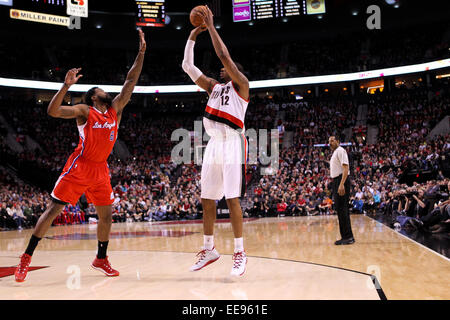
(225, 106)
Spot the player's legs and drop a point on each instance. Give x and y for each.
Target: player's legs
(234, 206)
(208, 254)
(234, 180)
(212, 190)
(211, 176)
(46, 219)
(66, 190)
(102, 197)
(239, 256)
(234, 188)
(209, 216)
(104, 222)
(211, 185)
(42, 226)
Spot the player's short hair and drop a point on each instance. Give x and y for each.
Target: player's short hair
(88, 96)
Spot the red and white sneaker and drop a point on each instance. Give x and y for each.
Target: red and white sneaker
(22, 269)
(205, 257)
(104, 266)
(239, 263)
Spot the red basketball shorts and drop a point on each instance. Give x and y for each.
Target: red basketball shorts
(80, 176)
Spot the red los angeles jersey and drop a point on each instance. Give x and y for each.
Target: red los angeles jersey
(97, 135)
(86, 170)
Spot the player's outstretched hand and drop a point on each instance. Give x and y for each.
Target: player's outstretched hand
(196, 31)
(142, 43)
(72, 77)
(208, 17)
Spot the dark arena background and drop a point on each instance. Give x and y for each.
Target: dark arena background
(374, 74)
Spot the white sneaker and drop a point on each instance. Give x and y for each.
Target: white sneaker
(239, 263)
(205, 257)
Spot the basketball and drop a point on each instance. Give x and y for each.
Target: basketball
(195, 17)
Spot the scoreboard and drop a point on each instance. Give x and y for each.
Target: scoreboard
(291, 8)
(246, 10)
(263, 9)
(150, 13)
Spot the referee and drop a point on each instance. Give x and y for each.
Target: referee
(339, 169)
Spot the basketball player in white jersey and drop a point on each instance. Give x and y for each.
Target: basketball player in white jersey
(223, 168)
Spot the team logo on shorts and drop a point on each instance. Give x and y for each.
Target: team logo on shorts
(112, 195)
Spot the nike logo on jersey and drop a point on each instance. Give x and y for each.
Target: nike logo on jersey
(106, 125)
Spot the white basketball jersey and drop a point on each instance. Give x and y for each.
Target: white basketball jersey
(225, 107)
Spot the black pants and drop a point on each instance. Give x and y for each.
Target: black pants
(434, 217)
(341, 207)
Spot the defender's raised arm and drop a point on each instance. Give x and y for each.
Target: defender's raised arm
(121, 100)
(56, 110)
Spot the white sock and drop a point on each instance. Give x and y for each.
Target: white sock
(238, 244)
(208, 242)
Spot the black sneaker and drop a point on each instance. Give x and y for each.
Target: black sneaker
(345, 241)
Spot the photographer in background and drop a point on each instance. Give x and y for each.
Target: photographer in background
(401, 202)
(415, 202)
(256, 208)
(423, 204)
(438, 219)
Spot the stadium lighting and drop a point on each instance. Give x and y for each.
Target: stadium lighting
(440, 76)
(344, 77)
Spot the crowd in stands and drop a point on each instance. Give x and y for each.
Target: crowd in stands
(21, 203)
(343, 53)
(378, 173)
(149, 187)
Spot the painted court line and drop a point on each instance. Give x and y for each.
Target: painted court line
(415, 242)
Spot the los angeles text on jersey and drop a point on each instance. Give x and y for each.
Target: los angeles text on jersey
(106, 125)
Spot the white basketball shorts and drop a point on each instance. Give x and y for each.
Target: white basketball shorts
(223, 168)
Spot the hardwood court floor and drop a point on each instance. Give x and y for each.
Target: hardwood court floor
(289, 258)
